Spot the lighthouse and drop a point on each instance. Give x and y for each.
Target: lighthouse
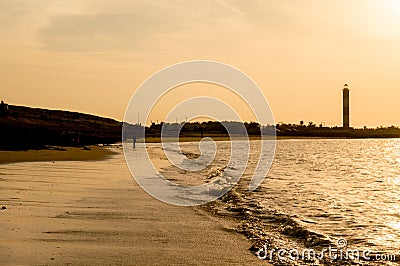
(346, 107)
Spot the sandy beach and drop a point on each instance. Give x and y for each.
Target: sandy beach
(91, 153)
(77, 213)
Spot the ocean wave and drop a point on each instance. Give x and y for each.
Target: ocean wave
(273, 229)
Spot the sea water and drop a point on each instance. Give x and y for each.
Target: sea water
(335, 188)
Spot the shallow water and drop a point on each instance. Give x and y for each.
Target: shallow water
(340, 188)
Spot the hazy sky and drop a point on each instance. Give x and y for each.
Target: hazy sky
(90, 56)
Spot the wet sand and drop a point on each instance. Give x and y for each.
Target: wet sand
(92, 153)
(105, 218)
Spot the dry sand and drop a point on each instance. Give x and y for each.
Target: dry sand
(107, 219)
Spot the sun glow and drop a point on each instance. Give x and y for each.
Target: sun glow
(383, 21)
(393, 6)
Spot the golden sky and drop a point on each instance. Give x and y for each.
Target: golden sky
(90, 56)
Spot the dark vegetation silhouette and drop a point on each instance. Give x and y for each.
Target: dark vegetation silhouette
(312, 130)
(212, 128)
(35, 128)
(24, 128)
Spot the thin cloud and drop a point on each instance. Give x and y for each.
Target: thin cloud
(151, 27)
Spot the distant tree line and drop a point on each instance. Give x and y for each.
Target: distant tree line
(26, 128)
(312, 130)
(209, 128)
(215, 128)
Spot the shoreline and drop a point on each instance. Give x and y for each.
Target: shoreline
(99, 152)
(95, 213)
(226, 138)
(89, 153)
